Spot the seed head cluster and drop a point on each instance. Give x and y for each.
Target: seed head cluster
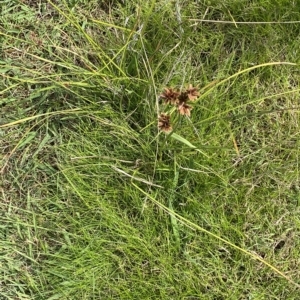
(180, 100)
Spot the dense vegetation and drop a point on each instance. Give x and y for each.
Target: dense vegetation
(97, 202)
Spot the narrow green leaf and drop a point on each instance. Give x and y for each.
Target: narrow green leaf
(42, 144)
(31, 135)
(183, 140)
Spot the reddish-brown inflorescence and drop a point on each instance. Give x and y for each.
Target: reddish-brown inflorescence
(180, 100)
(170, 96)
(192, 93)
(184, 109)
(164, 123)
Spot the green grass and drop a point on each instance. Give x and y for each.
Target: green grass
(96, 203)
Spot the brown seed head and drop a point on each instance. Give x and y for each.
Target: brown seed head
(184, 109)
(192, 93)
(170, 96)
(164, 123)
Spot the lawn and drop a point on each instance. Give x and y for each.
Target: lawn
(149, 149)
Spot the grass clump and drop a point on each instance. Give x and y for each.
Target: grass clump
(97, 202)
